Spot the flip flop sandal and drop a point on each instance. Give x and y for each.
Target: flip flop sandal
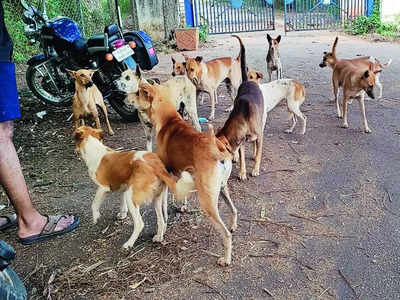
(12, 222)
(48, 230)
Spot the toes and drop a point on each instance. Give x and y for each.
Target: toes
(223, 262)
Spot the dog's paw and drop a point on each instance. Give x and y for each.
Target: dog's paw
(288, 131)
(223, 262)
(127, 245)
(157, 238)
(234, 227)
(96, 217)
(243, 177)
(211, 117)
(229, 109)
(122, 215)
(367, 130)
(344, 125)
(255, 173)
(111, 132)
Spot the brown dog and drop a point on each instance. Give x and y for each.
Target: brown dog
(207, 76)
(330, 59)
(181, 148)
(86, 97)
(355, 83)
(273, 57)
(246, 121)
(139, 175)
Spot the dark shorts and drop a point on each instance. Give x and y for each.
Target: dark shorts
(9, 105)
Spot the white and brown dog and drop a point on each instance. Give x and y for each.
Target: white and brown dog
(181, 89)
(181, 148)
(273, 57)
(283, 89)
(87, 96)
(207, 76)
(139, 175)
(330, 59)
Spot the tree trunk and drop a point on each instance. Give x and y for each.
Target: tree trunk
(171, 18)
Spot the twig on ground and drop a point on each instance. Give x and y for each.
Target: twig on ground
(305, 218)
(281, 170)
(347, 282)
(294, 150)
(268, 292)
(210, 253)
(211, 287)
(323, 292)
(266, 220)
(388, 193)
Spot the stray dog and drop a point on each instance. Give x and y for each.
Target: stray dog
(181, 148)
(246, 122)
(276, 91)
(207, 76)
(273, 57)
(181, 90)
(86, 97)
(355, 84)
(330, 59)
(139, 175)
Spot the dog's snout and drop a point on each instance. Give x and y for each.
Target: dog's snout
(173, 74)
(322, 65)
(371, 94)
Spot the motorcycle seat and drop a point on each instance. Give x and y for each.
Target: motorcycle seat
(98, 40)
(80, 45)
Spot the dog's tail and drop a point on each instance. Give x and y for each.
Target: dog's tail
(242, 55)
(180, 188)
(218, 149)
(334, 46)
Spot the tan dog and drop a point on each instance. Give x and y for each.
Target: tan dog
(330, 59)
(180, 88)
(284, 89)
(246, 122)
(273, 57)
(139, 175)
(207, 76)
(86, 97)
(355, 83)
(181, 147)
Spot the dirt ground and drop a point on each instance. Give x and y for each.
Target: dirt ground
(320, 222)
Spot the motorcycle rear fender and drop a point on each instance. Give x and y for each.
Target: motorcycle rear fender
(36, 59)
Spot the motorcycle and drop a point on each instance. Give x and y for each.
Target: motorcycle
(64, 47)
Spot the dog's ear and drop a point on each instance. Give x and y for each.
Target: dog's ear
(199, 58)
(278, 39)
(260, 75)
(185, 56)
(173, 59)
(138, 74)
(184, 64)
(71, 73)
(99, 134)
(269, 38)
(366, 74)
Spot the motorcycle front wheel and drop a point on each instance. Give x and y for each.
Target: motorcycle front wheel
(128, 112)
(49, 84)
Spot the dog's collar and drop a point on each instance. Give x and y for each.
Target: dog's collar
(89, 84)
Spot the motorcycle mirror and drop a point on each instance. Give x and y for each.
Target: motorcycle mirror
(24, 5)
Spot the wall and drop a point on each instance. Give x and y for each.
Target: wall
(390, 8)
(150, 14)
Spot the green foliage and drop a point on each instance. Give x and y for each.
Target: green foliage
(363, 25)
(203, 33)
(388, 29)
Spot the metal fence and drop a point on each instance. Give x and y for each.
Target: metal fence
(225, 16)
(323, 14)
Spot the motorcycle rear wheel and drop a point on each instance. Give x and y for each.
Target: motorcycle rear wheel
(36, 82)
(127, 112)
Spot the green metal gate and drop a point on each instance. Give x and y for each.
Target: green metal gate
(303, 15)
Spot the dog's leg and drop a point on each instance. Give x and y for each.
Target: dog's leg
(148, 132)
(256, 168)
(295, 109)
(98, 200)
(192, 112)
(362, 107)
(136, 217)
(165, 207)
(95, 116)
(336, 99)
(379, 85)
(227, 197)
(344, 108)
(235, 158)
(200, 94)
(269, 74)
(123, 209)
(254, 149)
(213, 97)
(104, 109)
(161, 226)
(294, 121)
(77, 122)
(232, 93)
(242, 173)
(208, 187)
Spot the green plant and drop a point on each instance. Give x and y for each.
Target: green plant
(203, 33)
(363, 24)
